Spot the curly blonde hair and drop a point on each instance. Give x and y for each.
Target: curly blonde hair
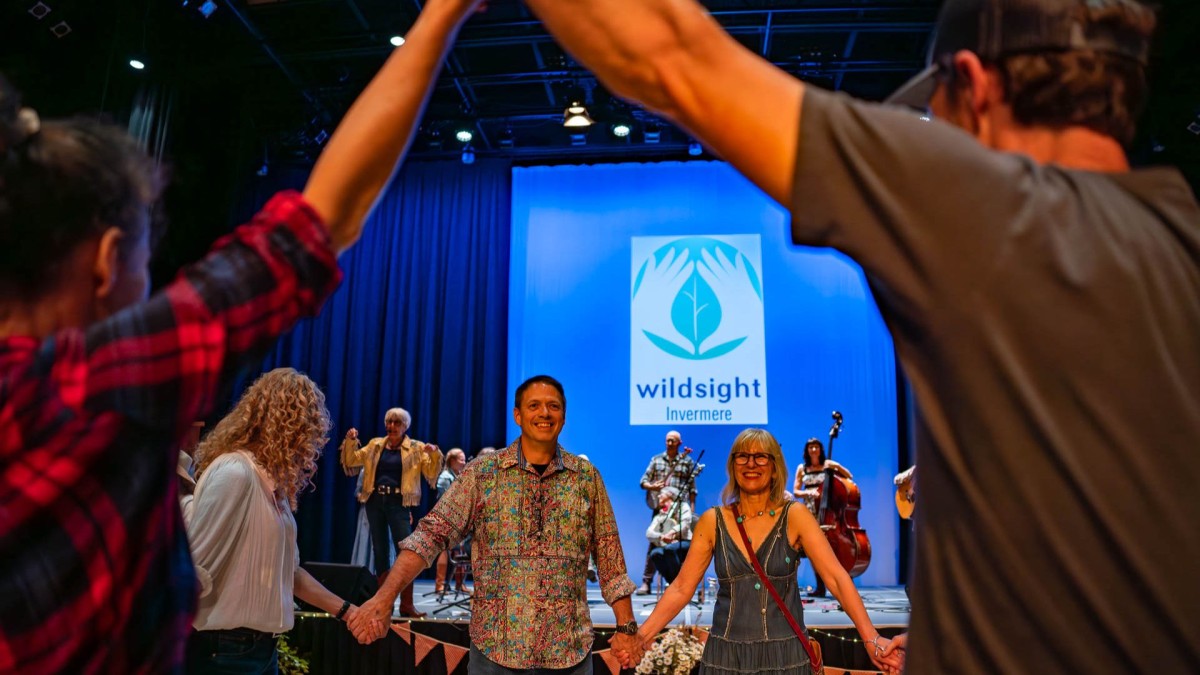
(282, 421)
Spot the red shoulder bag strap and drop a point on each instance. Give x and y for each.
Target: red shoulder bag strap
(816, 660)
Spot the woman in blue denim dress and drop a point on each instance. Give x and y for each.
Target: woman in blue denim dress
(750, 634)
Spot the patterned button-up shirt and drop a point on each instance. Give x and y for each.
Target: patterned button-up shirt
(532, 538)
(676, 472)
(95, 574)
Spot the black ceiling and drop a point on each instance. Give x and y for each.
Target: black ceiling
(288, 69)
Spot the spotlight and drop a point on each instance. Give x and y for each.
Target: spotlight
(464, 135)
(468, 155)
(207, 8)
(576, 115)
(652, 134)
(136, 64)
(396, 40)
(321, 137)
(695, 149)
(435, 139)
(578, 139)
(39, 11)
(507, 139)
(60, 29)
(621, 130)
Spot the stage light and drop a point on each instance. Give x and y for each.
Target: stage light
(136, 64)
(507, 140)
(207, 8)
(652, 134)
(60, 30)
(464, 135)
(468, 155)
(396, 40)
(621, 130)
(578, 139)
(576, 115)
(39, 11)
(695, 149)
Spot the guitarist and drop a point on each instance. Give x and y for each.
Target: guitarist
(670, 468)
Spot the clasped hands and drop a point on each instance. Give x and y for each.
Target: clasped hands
(628, 649)
(888, 655)
(371, 621)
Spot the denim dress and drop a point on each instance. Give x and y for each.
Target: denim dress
(749, 633)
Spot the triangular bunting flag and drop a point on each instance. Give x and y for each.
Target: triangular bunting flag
(454, 656)
(403, 631)
(425, 644)
(610, 660)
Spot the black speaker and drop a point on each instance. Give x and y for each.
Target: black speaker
(349, 582)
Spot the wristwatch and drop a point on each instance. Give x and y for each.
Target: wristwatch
(628, 628)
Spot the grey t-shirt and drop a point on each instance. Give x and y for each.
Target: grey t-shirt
(1049, 321)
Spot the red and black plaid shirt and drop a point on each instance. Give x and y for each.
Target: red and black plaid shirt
(95, 573)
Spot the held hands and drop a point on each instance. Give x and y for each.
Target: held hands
(895, 651)
(886, 656)
(377, 630)
(628, 649)
(370, 622)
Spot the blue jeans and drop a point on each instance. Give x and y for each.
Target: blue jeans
(386, 513)
(669, 559)
(236, 650)
(482, 665)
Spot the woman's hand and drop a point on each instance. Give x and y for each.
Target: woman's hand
(888, 654)
(352, 434)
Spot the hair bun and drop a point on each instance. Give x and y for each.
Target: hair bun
(17, 124)
(27, 124)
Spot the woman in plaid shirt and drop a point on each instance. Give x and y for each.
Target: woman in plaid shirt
(99, 383)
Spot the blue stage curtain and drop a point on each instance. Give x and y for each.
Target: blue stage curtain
(419, 322)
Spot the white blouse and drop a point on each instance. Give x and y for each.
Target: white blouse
(243, 543)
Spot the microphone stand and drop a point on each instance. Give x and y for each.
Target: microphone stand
(675, 513)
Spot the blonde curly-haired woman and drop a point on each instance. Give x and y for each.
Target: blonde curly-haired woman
(241, 528)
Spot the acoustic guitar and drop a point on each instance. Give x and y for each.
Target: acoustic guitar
(906, 497)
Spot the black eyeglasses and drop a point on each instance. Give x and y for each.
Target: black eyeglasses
(743, 458)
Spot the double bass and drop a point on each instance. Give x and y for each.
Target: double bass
(838, 514)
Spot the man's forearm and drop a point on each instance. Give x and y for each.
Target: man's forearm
(623, 610)
(674, 58)
(406, 568)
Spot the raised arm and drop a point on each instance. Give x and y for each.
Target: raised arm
(429, 459)
(353, 455)
(375, 133)
(674, 58)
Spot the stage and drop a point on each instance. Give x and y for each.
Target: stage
(437, 643)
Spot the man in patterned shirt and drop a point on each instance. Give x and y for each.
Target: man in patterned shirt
(535, 512)
(667, 469)
(98, 384)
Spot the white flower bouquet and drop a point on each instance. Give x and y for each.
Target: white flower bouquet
(675, 652)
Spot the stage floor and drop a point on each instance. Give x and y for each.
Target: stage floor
(887, 606)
